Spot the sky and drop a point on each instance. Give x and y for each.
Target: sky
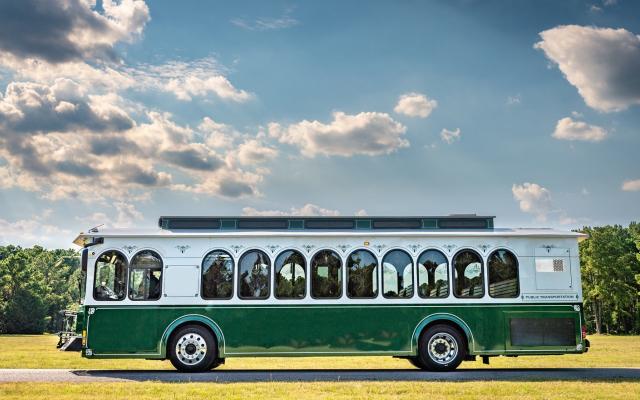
(117, 112)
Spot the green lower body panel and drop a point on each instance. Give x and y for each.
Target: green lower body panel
(305, 330)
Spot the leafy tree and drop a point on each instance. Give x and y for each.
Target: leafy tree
(610, 267)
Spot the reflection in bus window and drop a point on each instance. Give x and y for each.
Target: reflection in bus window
(290, 275)
(109, 283)
(467, 273)
(217, 275)
(254, 275)
(397, 275)
(326, 275)
(503, 274)
(433, 275)
(362, 275)
(145, 276)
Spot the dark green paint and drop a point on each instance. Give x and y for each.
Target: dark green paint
(143, 331)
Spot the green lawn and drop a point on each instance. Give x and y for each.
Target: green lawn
(21, 351)
(325, 390)
(40, 352)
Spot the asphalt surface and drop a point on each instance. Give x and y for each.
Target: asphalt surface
(546, 374)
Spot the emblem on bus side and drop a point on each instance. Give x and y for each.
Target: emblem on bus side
(183, 248)
(129, 248)
(449, 247)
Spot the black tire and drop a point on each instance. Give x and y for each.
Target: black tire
(448, 348)
(415, 362)
(192, 348)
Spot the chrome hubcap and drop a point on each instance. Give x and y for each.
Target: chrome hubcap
(191, 348)
(442, 348)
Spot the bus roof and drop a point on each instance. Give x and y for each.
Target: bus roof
(85, 238)
(455, 221)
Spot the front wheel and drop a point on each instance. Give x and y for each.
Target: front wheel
(192, 348)
(441, 348)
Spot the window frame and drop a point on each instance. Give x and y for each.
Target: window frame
(449, 274)
(342, 275)
(126, 275)
(269, 275)
(233, 272)
(346, 272)
(413, 270)
(275, 273)
(129, 269)
(482, 274)
(517, 273)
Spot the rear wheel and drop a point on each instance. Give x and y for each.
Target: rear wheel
(441, 348)
(415, 362)
(192, 348)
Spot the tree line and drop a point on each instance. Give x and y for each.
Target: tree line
(36, 283)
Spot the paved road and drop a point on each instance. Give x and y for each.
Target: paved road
(80, 376)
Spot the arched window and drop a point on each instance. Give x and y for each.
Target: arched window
(467, 274)
(253, 275)
(217, 275)
(110, 276)
(362, 275)
(326, 275)
(290, 270)
(145, 276)
(397, 275)
(502, 267)
(433, 274)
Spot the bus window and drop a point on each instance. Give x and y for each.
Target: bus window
(503, 274)
(362, 275)
(145, 276)
(110, 276)
(253, 276)
(326, 275)
(397, 275)
(433, 275)
(467, 274)
(217, 275)
(290, 275)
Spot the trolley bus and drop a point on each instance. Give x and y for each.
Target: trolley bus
(433, 290)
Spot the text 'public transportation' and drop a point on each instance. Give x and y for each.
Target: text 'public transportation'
(433, 290)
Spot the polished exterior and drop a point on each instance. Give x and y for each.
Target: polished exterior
(315, 330)
(304, 327)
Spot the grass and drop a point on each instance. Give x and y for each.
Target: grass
(325, 390)
(23, 351)
(40, 352)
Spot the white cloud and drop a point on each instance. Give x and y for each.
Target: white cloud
(65, 30)
(602, 63)
(568, 129)
(31, 231)
(267, 23)
(186, 80)
(127, 214)
(450, 136)
(308, 210)
(415, 105)
(368, 133)
(631, 185)
(513, 100)
(254, 152)
(361, 213)
(533, 199)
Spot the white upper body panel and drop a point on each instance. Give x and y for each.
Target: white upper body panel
(183, 251)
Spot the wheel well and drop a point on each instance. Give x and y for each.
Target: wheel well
(185, 323)
(450, 324)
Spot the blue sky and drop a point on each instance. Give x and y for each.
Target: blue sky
(119, 112)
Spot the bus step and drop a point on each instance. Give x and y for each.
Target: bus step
(74, 343)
